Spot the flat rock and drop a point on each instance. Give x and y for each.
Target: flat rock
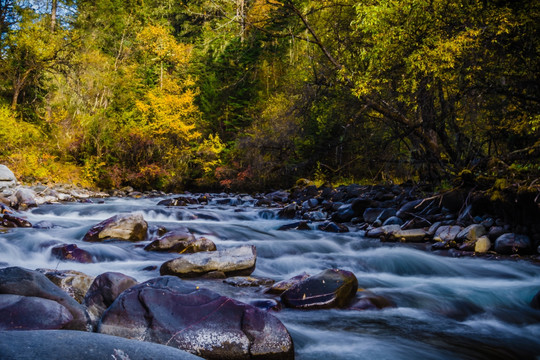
(234, 261)
(24, 282)
(332, 288)
(170, 311)
(130, 227)
(412, 235)
(248, 281)
(78, 345)
(447, 233)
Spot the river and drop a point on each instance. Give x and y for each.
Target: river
(446, 308)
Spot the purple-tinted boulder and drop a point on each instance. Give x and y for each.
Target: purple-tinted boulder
(169, 311)
(32, 313)
(24, 282)
(103, 291)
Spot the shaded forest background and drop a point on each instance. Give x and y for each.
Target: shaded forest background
(254, 94)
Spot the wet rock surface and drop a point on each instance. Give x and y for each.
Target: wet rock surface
(170, 311)
(29, 283)
(130, 227)
(234, 261)
(78, 345)
(333, 288)
(103, 291)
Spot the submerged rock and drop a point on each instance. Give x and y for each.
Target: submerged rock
(234, 261)
(24, 282)
(130, 227)
(169, 311)
(332, 288)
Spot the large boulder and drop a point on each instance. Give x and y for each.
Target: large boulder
(167, 310)
(31, 313)
(180, 241)
(130, 227)
(7, 178)
(513, 244)
(332, 288)
(78, 345)
(232, 262)
(103, 291)
(24, 282)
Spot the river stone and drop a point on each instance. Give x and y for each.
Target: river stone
(74, 283)
(282, 286)
(333, 227)
(370, 301)
(130, 227)
(170, 311)
(446, 233)
(180, 241)
(393, 220)
(332, 288)
(71, 252)
(78, 345)
(513, 244)
(411, 235)
(344, 214)
(24, 199)
(247, 281)
(234, 261)
(383, 231)
(471, 233)
(24, 282)
(103, 291)
(7, 178)
(31, 313)
(482, 245)
(16, 221)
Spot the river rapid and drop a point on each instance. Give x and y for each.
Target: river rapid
(446, 308)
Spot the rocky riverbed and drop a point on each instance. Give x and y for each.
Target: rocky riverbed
(232, 275)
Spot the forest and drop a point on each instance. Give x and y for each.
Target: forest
(256, 94)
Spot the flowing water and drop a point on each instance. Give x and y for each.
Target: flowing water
(446, 308)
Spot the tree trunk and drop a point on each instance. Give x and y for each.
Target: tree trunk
(54, 7)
